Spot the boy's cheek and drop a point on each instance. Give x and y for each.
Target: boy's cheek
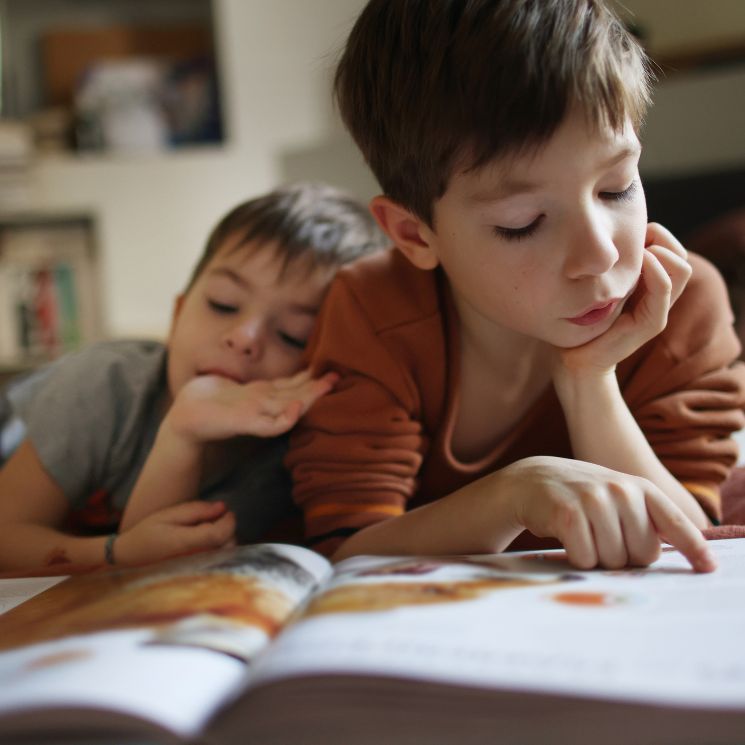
(635, 296)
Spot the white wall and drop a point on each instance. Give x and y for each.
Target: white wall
(682, 25)
(697, 123)
(154, 212)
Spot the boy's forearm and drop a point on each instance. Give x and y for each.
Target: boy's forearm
(171, 475)
(476, 519)
(26, 546)
(602, 430)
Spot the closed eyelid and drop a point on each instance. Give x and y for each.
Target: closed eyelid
(293, 341)
(624, 195)
(226, 294)
(220, 307)
(517, 233)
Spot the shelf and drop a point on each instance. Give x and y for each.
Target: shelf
(121, 75)
(49, 288)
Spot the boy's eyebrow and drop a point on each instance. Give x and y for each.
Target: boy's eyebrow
(225, 271)
(511, 187)
(627, 151)
(505, 189)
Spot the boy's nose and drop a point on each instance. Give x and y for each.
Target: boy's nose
(592, 251)
(246, 338)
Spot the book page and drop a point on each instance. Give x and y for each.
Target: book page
(530, 622)
(13, 592)
(165, 643)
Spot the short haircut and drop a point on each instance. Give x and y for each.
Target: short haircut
(425, 85)
(309, 225)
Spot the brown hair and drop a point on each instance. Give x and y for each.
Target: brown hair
(423, 84)
(308, 224)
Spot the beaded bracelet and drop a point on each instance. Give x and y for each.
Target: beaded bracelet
(108, 548)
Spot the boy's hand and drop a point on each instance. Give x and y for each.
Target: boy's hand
(211, 407)
(602, 517)
(665, 273)
(184, 528)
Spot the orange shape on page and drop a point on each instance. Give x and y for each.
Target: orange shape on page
(597, 599)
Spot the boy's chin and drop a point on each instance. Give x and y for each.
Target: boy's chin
(582, 337)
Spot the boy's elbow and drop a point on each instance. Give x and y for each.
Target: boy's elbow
(344, 551)
(354, 545)
(375, 539)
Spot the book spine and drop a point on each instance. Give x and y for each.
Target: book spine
(26, 330)
(46, 317)
(9, 340)
(69, 332)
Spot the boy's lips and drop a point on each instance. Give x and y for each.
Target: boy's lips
(221, 373)
(595, 313)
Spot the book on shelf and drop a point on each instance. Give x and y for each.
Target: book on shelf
(47, 291)
(271, 644)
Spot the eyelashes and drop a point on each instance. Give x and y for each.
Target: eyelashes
(221, 308)
(621, 196)
(292, 341)
(518, 234)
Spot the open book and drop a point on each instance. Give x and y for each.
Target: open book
(269, 644)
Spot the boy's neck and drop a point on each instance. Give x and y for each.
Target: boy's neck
(507, 354)
(502, 374)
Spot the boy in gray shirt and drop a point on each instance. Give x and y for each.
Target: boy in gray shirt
(132, 451)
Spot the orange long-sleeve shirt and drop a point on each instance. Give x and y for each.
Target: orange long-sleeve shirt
(380, 442)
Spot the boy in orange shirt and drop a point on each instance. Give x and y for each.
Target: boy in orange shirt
(535, 361)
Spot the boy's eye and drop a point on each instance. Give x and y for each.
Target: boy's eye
(292, 341)
(516, 234)
(222, 308)
(620, 196)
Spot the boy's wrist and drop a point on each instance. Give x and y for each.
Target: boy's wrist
(573, 385)
(120, 548)
(178, 443)
(108, 549)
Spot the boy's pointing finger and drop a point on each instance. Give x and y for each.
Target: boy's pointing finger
(680, 532)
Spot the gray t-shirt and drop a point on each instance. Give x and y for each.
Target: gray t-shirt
(92, 417)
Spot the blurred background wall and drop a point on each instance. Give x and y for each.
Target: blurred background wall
(153, 210)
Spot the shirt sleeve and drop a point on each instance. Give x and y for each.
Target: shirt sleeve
(72, 445)
(687, 388)
(86, 414)
(355, 456)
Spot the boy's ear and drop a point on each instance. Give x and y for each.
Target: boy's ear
(407, 231)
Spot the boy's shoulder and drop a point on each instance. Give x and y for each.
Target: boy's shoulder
(388, 289)
(121, 350)
(704, 275)
(120, 364)
(130, 358)
(106, 389)
(705, 296)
